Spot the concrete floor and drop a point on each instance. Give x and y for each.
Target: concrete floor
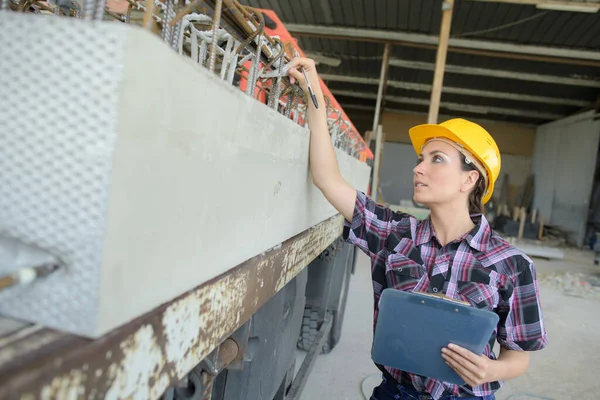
(569, 368)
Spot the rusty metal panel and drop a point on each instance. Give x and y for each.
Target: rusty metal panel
(141, 359)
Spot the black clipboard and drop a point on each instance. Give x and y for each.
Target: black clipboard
(413, 327)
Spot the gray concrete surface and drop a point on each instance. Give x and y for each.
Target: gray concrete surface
(566, 369)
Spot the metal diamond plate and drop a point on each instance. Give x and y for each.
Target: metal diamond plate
(58, 104)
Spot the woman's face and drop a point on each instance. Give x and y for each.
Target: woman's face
(438, 175)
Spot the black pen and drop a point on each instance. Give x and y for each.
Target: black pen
(310, 90)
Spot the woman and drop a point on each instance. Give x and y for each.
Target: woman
(453, 251)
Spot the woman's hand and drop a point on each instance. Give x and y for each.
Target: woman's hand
(296, 75)
(472, 368)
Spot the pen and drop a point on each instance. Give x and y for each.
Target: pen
(310, 90)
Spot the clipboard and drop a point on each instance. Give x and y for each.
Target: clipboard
(413, 327)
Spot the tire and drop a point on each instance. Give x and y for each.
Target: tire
(338, 317)
(311, 321)
(308, 332)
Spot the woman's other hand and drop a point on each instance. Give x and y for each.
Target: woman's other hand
(472, 368)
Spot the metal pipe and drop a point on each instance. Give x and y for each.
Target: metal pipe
(99, 9)
(26, 275)
(148, 15)
(440, 62)
(215, 31)
(88, 9)
(310, 359)
(166, 28)
(377, 164)
(382, 83)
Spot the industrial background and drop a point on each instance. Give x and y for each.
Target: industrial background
(232, 327)
(527, 70)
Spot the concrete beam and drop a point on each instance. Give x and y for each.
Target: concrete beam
(481, 120)
(523, 76)
(119, 198)
(571, 6)
(456, 106)
(391, 36)
(422, 87)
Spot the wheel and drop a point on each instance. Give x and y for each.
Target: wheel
(338, 317)
(344, 261)
(308, 332)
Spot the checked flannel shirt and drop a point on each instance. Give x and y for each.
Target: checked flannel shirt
(485, 270)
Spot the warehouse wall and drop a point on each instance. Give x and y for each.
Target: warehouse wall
(396, 174)
(516, 145)
(564, 164)
(511, 138)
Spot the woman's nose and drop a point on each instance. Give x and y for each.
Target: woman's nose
(419, 169)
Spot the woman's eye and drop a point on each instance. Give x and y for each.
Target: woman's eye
(419, 161)
(437, 159)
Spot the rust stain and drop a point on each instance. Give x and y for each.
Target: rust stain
(303, 251)
(69, 386)
(141, 364)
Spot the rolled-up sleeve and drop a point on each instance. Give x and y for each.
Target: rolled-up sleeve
(372, 224)
(521, 325)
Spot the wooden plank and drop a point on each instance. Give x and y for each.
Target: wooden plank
(440, 62)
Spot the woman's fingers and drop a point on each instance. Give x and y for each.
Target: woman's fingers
(296, 76)
(307, 65)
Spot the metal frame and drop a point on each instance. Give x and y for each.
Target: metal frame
(383, 75)
(522, 76)
(558, 5)
(454, 43)
(144, 357)
(457, 106)
(422, 87)
(309, 361)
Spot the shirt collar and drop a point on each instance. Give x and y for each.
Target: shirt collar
(477, 238)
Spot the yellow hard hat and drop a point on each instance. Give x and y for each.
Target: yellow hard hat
(468, 135)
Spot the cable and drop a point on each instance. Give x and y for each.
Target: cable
(362, 384)
(497, 28)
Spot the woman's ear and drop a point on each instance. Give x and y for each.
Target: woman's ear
(470, 180)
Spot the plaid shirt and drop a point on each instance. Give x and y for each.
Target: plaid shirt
(484, 270)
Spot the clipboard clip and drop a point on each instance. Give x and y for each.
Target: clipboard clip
(444, 297)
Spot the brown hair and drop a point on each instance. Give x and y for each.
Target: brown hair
(476, 195)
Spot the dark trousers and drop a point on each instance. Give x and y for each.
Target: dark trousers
(389, 389)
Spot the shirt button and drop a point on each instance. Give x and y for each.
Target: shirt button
(435, 290)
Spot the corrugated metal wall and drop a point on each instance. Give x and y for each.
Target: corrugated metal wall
(564, 161)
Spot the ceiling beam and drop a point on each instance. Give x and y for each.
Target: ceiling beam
(421, 87)
(394, 36)
(523, 76)
(440, 62)
(382, 84)
(471, 108)
(361, 107)
(558, 5)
